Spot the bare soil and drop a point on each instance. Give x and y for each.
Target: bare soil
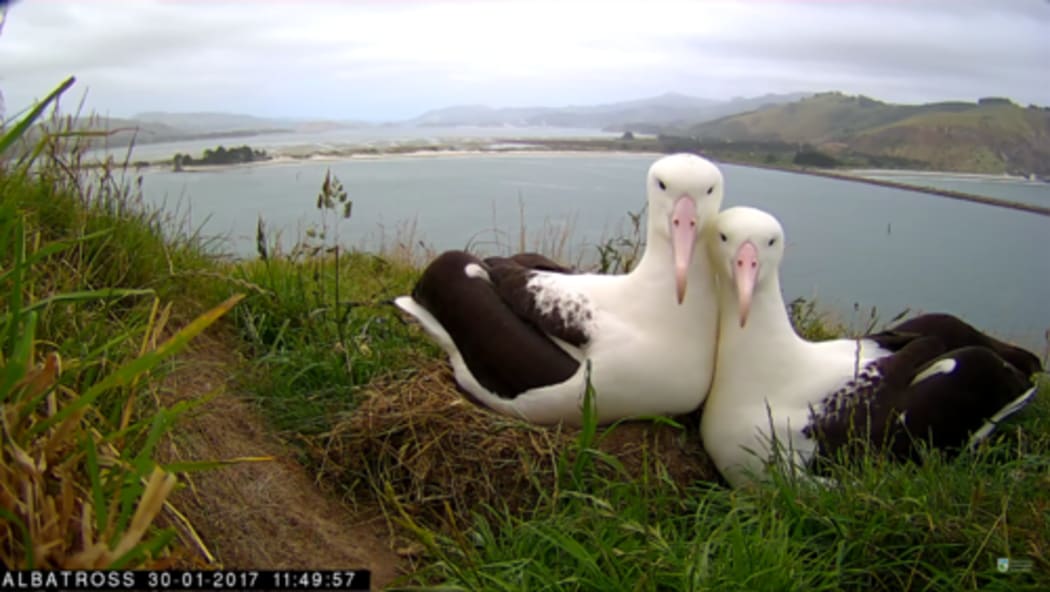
(261, 515)
(417, 436)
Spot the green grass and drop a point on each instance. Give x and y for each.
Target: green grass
(84, 339)
(311, 348)
(940, 525)
(319, 323)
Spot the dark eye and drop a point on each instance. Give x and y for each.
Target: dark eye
(661, 184)
(710, 189)
(772, 241)
(722, 236)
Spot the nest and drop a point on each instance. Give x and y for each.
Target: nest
(421, 441)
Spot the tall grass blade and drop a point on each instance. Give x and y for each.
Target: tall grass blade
(127, 373)
(208, 465)
(86, 295)
(27, 539)
(98, 497)
(19, 129)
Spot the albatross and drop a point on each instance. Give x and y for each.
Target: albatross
(777, 397)
(524, 334)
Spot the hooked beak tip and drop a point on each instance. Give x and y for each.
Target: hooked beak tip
(683, 242)
(745, 276)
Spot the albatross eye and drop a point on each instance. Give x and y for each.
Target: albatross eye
(710, 189)
(661, 184)
(772, 241)
(722, 236)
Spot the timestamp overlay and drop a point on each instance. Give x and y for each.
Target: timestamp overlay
(37, 579)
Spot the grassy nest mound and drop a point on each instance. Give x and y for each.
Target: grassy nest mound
(421, 442)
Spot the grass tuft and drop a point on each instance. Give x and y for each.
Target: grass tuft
(83, 337)
(938, 525)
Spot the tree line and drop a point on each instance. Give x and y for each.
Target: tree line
(219, 156)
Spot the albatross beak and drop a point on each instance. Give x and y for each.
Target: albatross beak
(683, 239)
(745, 271)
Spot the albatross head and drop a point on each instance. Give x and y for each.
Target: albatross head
(746, 247)
(685, 193)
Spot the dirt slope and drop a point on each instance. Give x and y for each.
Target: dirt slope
(262, 514)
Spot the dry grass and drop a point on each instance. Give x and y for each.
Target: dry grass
(51, 511)
(407, 247)
(432, 454)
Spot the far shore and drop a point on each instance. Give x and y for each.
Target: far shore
(925, 173)
(533, 147)
(846, 175)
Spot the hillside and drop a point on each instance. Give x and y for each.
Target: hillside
(154, 127)
(212, 122)
(990, 136)
(647, 115)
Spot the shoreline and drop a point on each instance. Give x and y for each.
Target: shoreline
(532, 147)
(949, 193)
(278, 159)
(955, 174)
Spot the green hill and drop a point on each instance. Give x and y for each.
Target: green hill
(990, 136)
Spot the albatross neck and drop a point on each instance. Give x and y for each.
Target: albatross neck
(767, 321)
(654, 272)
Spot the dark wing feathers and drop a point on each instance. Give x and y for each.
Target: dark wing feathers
(867, 405)
(510, 279)
(506, 354)
(941, 410)
(530, 261)
(946, 407)
(955, 334)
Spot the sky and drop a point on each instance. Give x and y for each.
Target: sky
(394, 59)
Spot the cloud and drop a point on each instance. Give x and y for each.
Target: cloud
(382, 60)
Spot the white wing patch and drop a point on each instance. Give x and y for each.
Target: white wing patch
(989, 426)
(551, 298)
(945, 366)
(473, 270)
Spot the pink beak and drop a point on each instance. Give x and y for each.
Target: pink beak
(745, 272)
(683, 240)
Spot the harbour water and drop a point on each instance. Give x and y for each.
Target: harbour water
(1016, 189)
(851, 246)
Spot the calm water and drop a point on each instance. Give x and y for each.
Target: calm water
(1013, 189)
(848, 242)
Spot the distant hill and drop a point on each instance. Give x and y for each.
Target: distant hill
(210, 123)
(993, 135)
(154, 127)
(122, 131)
(645, 115)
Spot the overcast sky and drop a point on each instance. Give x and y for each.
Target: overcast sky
(391, 60)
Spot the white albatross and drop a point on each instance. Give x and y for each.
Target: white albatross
(520, 330)
(777, 397)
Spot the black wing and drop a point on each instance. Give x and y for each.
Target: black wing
(510, 277)
(955, 333)
(960, 391)
(531, 261)
(864, 409)
(507, 354)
